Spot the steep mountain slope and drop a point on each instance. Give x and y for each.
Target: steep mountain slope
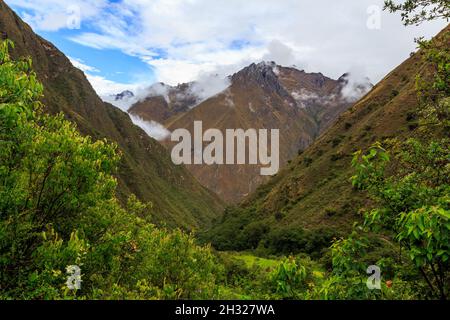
(313, 196)
(146, 168)
(263, 96)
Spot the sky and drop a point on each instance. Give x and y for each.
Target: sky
(130, 44)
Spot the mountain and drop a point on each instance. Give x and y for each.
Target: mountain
(163, 102)
(312, 197)
(146, 168)
(261, 96)
(127, 94)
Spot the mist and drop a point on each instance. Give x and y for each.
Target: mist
(152, 128)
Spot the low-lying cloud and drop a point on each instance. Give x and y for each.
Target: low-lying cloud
(157, 89)
(356, 84)
(123, 104)
(152, 128)
(208, 85)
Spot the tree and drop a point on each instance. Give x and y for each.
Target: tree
(434, 94)
(409, 181)
(413, 203)
(418, 11)
(58, 208)
(51, 177)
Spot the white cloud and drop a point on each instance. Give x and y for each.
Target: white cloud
(152, 128)
(281, 53)
(104, 87)
(208, 85)
(157, 89)
(123, 104)
(52, 15)
(78, 63)
(182, 40)
(357, 84)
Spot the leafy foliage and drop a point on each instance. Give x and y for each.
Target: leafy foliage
(418, 11)
(58, 208)
(290, 278)
(410, 184)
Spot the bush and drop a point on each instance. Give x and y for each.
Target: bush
(58, 209)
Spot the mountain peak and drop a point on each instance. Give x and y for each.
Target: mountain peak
(124, 95)
(263, 74)
(256, 70)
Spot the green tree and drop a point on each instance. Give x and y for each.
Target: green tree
(412, 204)
(409, 181)
(290, 279)
(58, 208)
(50, 175)
(418, 11)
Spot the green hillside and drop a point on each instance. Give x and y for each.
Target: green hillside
(146, 169)
(312, 201)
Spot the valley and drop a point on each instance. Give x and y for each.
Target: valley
(268, 183)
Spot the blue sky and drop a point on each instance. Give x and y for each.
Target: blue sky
(126, 44)
(112, 64)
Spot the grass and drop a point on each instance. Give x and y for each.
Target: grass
(251, 260)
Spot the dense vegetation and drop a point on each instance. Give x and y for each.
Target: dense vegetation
(145, 168)
(403, 226)
(58, 208)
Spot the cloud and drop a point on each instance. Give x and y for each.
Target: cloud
(53, 15)
(78, 63)
(105, 87)
(152, 128)
(102, 86)
(304, 95)
(181, 40)
(281, 53)
(192, 62)
(157, 89)
(208, 85)
(357, 84)
(123, 104)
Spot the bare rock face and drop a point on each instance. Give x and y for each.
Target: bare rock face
(262, 75)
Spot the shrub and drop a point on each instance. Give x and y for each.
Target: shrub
(58, 208)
